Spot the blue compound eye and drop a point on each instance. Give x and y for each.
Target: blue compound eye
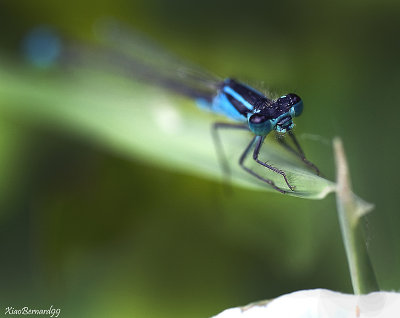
(257, 119)
(260, 124)
(297, 105)
(298, 108)
(291, 103)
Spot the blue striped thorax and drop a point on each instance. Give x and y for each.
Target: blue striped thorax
(241, 102)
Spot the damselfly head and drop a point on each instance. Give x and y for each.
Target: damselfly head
(285, 108)
(290, 106)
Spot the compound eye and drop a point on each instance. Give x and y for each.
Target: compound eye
(260, 124)
(297, 105)
(257, 119)
(287, 101)
(294, 99)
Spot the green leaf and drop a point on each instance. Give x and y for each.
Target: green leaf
(145, 123)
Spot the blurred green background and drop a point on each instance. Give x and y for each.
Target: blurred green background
(98, 233)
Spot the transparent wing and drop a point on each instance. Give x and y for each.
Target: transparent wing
(132, 54)
(143, 49)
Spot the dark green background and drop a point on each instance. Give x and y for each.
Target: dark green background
(99, 235)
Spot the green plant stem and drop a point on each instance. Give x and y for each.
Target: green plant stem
(351, 209)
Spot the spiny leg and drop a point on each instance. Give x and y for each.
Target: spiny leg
(258, 140)
(255, 157)
(218, 144)
(299, 153)
(302, 155)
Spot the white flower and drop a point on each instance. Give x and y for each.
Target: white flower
(322, 303)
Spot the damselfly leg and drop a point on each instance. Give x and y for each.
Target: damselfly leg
(257, 141)
(299, 152)
(218, 144)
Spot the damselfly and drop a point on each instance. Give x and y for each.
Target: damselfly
(246, 107)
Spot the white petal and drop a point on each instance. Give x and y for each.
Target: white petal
(322, 303)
